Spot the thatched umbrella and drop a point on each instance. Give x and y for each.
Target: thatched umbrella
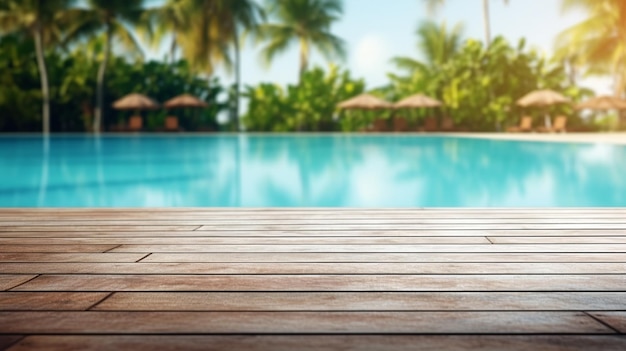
(181, 101)
(414, 102)
(185, 100)
(365, 102)
(417, 101)
(542, 98)
(604, 102)
(135, 102)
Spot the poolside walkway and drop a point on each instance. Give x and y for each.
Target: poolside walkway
(309, 279)
(617, 138)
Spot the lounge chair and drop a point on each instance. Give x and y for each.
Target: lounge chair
(379, 125)
(400, 124)
(447, 124)
(171, 124)
(557, 127)
(135, 123)
(430, 124)
(525, 125)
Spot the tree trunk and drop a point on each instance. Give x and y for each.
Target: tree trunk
(619, 93)
(304, 64)
(304, 58)
(173, 48)
(237, 76)
(487, 24)
(43, 75)
(98, 116)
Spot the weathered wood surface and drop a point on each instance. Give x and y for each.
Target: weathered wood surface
(489, 279)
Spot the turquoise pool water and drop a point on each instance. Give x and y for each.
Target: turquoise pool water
(307, 171)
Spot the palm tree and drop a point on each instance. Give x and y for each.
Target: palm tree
(172, 18)
(238, 15)
(433, 5)
(113, 17)
(436, 42)
(39, 20)
(306, 22)
(201, 37)
(598, 43)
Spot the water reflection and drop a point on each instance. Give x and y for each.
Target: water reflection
(308, 171)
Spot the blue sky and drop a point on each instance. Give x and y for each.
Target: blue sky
(376, 30)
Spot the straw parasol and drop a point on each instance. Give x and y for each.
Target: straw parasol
(543, 98)
(185, 100)
(604, 102)
(135, 102)
(417, 101)
(365, 102)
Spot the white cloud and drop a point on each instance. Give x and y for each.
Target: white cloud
(371, 56)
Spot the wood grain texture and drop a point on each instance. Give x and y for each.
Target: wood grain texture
(469, 248)
(259, 279)
(61, 301)
(248, 241)
(402, 268)
(615, 319)
(8, 340)
(138, 282)
(303, 220)
(385, 257)
(93, 228)
(68, 257)
(564, 240)
(310, 235)
(323, 342)
(365, 301)
(56, 248)
(8, 281)
(292, 322)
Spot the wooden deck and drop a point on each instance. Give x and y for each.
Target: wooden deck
(309, 279)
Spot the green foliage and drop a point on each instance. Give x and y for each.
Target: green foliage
(306, 22)
(308, 106)
(597, 45)
(73, 83)
(479, 86)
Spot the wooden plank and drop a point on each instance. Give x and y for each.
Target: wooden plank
(385, 257)
(94, 228)
(563, 240)
(61, 301)
(390, 225)
(365, 301)
(8, 340)
(323, 342)
(486, 248)
(616, 319)
(8, 281)
(301, 234)
(501, 271)
(69, 257)
(247, 241)
(102, 322)
(305, 221)
(56, 248)
(313, 268)
(312, 211)
(294, 283)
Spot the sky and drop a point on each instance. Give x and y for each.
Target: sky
(376, 31)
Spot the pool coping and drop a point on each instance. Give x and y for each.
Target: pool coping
(618, 138)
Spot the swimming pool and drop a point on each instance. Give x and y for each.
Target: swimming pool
(307, 171)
